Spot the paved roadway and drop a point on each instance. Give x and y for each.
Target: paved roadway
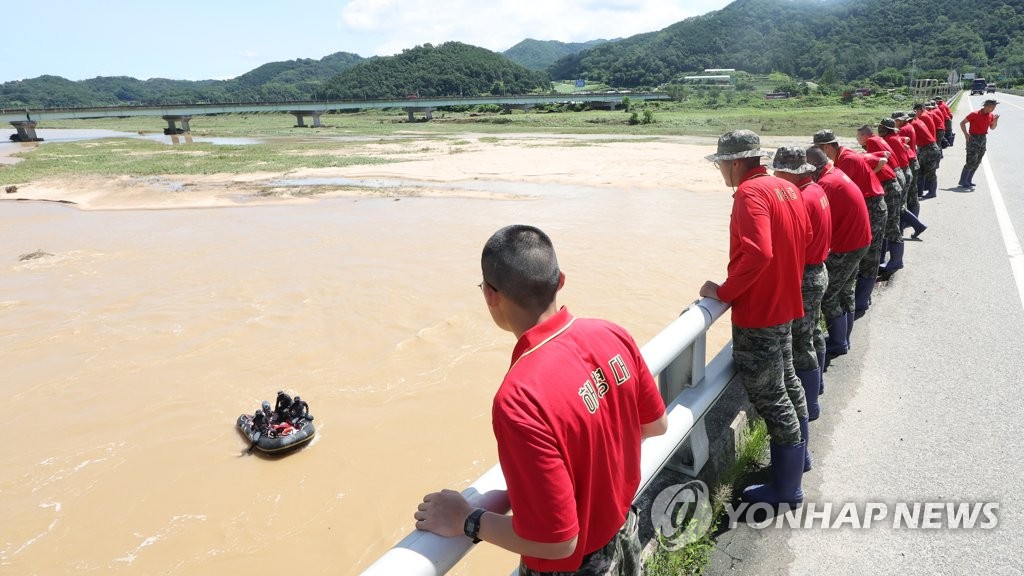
(929, 405)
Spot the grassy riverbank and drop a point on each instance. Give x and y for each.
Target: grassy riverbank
(352, 138)
(710, 115)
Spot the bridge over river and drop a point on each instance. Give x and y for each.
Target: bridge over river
(25, 120)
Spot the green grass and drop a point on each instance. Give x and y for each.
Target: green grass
(127, 156)
(706, 113)
(694, 558)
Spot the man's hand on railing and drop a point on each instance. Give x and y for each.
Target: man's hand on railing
(444, 513)
(710, 290)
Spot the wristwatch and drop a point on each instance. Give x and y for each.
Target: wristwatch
(472, 524)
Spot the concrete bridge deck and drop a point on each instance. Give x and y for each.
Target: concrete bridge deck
(43, 114)
(928, 405)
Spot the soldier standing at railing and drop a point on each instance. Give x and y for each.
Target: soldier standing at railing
(568, 418)
(791, 165)
(980, 121)
(768, 237)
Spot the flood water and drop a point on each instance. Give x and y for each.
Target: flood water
(128, 352)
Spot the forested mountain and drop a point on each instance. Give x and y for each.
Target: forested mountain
(276, 81)
(539, 54)
(452, 68)
(809, 39)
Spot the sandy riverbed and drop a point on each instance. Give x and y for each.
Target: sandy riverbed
(537, 160)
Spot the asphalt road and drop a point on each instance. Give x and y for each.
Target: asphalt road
(928, 406)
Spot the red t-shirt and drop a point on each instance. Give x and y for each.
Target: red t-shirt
(851, 225)
(980, 122)
(947, 114)
(820, 216)
(899, 150)
(924, 132)
(768, 237)
(856, 167)
(886, 173)
(907, 131)
(567, 421)
(934, 122)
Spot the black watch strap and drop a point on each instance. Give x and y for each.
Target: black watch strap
(472, 525)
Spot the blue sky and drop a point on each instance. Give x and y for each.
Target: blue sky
(220, 39)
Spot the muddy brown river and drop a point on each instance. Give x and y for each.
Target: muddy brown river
(130, 347)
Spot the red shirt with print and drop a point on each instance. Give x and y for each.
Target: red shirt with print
(567, 421)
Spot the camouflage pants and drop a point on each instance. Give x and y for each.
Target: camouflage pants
(912, 202)
(975, 151)
(839, 295)
(808, 337)
(878, 213)
(764, 364)
(894, 202)
(928, 156)
(619, 557)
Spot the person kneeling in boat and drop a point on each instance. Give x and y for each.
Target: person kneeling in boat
(299, 411)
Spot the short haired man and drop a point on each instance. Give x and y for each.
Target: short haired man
(851, 238)
(980, 122)
(768, 236)
(791, 165)
(568, 419)
(857, 168)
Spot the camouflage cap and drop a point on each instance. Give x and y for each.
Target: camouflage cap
(911, 116)
(738, 144)
(791, 159)
(825, 137)
(888, 123)
(897, 115)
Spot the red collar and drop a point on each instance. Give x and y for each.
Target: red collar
(805, 182)
(754, 173)
(541, 334)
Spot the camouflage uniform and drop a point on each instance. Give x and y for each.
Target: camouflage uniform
(764, 364)
(619, 557)
(842, 280)
(975, 151)
(808, 337)
(928, 157)
(878, 213)
(894, 207)
(912, 175)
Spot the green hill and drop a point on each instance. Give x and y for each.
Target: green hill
(449, 69)
(844, 39)
(539, 54)
(276, 81)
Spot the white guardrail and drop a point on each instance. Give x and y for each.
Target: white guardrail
(690, 387)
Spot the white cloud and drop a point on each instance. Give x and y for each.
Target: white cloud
(395, 25)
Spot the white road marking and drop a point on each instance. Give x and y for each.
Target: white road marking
(1013, 247)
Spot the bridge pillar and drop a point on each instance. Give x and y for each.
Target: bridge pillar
(26, 131)
(428, 112)
(172, 128)
(301, 114)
